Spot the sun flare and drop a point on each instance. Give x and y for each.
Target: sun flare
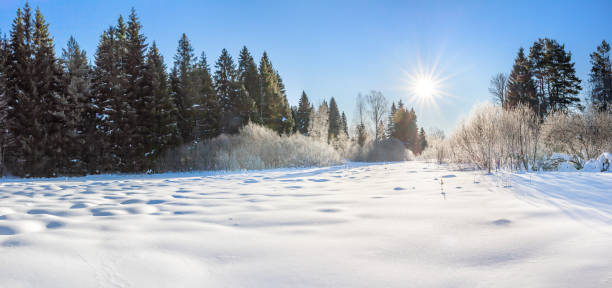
(425, 86)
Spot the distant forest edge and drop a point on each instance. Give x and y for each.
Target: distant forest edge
(128, 113)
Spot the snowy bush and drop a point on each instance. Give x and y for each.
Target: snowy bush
(254, 147)
(517, 139)
(386, 150)
(583, 135)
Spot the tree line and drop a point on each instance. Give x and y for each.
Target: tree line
(545, 80)
(539, 122)
(63, 116)
(66, 116)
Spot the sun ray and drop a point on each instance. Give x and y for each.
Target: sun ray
(425, 85)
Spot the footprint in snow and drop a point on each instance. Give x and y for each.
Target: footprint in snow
(502, 222)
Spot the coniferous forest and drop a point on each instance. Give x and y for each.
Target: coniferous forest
(122, 109)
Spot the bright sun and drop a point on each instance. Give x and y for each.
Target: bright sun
(424, 87)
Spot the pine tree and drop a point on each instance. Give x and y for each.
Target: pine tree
(391, 122)
(183, 88)
(601, 77)
(276, 112)
(556, 81)
(405, 127)
(566, 86)
(521, 89)
(302, 119)
(5, 138)
(248, 78)
(287, 121)
(138, 115)
(206, 108)
(105, 88)
(228, 91)
(79, 111)
(422, 139)
(335, 120)
(163, 128)
(344, 125)
(34, 116)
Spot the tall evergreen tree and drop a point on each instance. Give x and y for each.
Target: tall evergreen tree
(163, 129)
(521, 89)
(276, 112)
(106, 89)
(422, 139)
(556, 81)
(287, 121)
(183, 88)
(206, 108)
(34, 99)
(249, 84)
(302, 119)
(390, 123)
(138, 115)
(601, 77)
(78, 108)
(344, 125)
(335, 120)
(405, 126)
(228, 91)
(5, 138)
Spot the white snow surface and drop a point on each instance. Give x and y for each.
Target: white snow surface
(355, 225)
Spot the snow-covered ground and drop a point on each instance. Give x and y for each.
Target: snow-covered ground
(378, 225)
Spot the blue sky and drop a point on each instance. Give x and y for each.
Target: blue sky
(341, 48)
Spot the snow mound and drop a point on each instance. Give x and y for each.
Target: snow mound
(601, 164)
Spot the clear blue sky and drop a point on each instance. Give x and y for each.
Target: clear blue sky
(341, 48)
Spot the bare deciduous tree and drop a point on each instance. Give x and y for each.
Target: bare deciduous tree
(378, 109)
(498, 88)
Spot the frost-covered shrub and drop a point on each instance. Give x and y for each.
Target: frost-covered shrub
(380, 151)
(436, 147)
(493, 138)
(254, 147)
(583, 135)
(517, 139)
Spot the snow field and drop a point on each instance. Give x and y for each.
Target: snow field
(355, 225)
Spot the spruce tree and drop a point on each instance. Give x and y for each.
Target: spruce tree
(163, 129)
(183, 88)
(422, 139)
(79, 111)
(601, 77)
(302, 119)
(287, 121)
(206, 108)
(34, 99)
(390, 123)
(556, 81)
(138, 115)
(344, 125)
(5, 138)
(105, 89)
(227, 87)
(521, 89)
(335, 120)
(248, 78)
(276, 113)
